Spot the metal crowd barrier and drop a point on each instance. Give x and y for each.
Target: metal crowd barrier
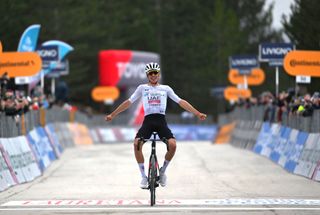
(23, 124)
(309, 124)
(12, 127)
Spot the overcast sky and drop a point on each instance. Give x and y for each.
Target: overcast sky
(280, 7)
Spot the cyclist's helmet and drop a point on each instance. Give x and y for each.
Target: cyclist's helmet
(151, 67)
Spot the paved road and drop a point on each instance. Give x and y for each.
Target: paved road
(202, 178)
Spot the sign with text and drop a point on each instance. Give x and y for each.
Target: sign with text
(304, 63)
(243, 63)
(233, 93)
(303, 79)
(48, 53)
(274, 52)
(20, 63)
(105, 93)
(256, 77)
(61, 68)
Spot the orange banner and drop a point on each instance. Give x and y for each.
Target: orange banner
(304, 63)
(0, 47)
(233, 93)
(255, 78)
(20, 63)
(105, 93)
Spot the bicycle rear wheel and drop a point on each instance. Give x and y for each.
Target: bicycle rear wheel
(153, 180)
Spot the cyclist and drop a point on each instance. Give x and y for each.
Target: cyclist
(154, 97)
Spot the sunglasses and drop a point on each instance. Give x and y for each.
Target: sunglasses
(153, 73)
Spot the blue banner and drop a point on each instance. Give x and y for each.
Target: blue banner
(274, 51)
(29, 39)
(28, 43)
(63, 50)
(243, 63)
(48, 53)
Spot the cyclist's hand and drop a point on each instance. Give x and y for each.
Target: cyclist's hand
(108, 117)
(202, 116)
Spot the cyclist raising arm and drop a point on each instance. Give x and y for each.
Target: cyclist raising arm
(154, 97)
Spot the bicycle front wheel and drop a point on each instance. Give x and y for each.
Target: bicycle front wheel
(153, 180)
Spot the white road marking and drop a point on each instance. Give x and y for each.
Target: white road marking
(162, 209)
(165, 202)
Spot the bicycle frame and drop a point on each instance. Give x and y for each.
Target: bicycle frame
(153, 170)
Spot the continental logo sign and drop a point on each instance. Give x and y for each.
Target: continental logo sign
(100, 94)
(20, 63)
(303, 63)
(256, 77)
(233, 93)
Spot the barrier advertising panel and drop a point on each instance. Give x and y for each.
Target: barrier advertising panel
(15, 159)
(9, 179)
(40, 149)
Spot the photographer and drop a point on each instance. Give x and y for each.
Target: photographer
(3, 84)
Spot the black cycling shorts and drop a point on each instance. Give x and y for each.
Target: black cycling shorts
(154, 123)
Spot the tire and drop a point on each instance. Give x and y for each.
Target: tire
(153, 181)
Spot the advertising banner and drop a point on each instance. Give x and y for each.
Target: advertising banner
(125, 70)
(233, 93)
(28, 43)
(18, 64)
(243, 63)
(29, 39)
(61, 68)
(63, 50)
(274, 53)
(256, 77)
(48, 54)
(105, 93)
(303, 63)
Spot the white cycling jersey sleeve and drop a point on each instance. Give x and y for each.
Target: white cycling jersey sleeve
(172, 95)
(137, 94)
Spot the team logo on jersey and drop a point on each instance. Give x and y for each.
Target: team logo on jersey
(154, 99)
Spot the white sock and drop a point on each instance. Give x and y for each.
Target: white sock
(165, 165)
(141, 167)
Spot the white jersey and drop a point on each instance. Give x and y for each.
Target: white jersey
(154, 98)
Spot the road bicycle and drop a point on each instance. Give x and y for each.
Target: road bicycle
(153, 170)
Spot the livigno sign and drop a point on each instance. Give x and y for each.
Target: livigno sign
(304, 63)
(243, 63)
(274, 52)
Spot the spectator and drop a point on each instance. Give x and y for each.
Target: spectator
(3, 84)
(315, 99)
